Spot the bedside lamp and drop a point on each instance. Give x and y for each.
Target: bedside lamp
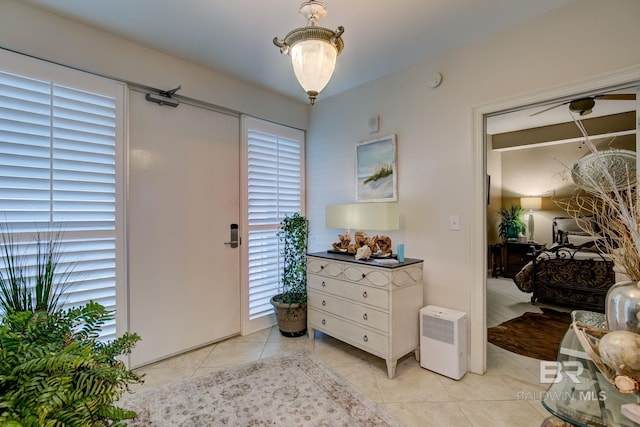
(530, 204)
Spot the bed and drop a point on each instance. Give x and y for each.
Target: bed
(572, 272)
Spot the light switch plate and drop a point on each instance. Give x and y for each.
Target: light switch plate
(454, 222)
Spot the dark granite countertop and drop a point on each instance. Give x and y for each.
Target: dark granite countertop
(373, 262)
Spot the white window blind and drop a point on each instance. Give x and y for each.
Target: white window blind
(58, 173)
(275, 156)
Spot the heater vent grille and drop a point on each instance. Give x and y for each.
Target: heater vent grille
(438, 329)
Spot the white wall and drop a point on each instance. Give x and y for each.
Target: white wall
(435, 127)
(542, 171)
(36, 32)
(435, 130)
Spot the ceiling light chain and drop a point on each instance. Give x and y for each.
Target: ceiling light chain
(313, 49)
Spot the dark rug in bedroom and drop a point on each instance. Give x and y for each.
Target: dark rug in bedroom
(536, 335)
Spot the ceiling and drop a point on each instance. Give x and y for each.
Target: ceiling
(235, 37)
(534, 117)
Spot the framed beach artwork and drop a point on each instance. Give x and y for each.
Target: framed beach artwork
(376, 170)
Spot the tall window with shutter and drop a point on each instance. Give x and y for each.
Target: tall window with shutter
(274, 187)
(58, 172)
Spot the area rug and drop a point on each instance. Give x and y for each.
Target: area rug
(536, 335)
(294, 389)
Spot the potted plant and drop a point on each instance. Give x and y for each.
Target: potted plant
(511, 223)
(31, 283)
(291, 301)
(55, 370)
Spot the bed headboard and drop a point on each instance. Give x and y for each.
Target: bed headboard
(564, 226)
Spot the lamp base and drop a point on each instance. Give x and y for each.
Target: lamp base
(530, 226)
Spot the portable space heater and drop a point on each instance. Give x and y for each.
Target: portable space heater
(443, 341)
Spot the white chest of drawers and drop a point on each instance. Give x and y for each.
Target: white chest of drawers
(375, 308)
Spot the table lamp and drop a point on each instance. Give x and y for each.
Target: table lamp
(530, 204)
(370, 216)
(360, 216)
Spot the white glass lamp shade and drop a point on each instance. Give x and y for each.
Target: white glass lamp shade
(313, 62)
(313, 49)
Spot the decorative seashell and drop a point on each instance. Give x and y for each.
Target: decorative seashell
(363, 252)
(625, 384)
(620, 351)
(615, 354)
(384, 243)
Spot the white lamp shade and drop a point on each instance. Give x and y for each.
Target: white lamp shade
(531, 203)
(313, 62)
(366, 216)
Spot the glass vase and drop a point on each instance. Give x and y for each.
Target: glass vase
(623, 307)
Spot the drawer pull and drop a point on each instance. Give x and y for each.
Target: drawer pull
(323, 284)
(364, 294)
(324, 322)
(365, 338)
(324, 302)
(365, 317)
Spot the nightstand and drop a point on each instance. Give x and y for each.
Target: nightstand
(518, 255)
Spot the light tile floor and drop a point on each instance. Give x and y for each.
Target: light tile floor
(416, 396)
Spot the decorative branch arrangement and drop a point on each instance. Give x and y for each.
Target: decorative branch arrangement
(609, 180)
(609, 193)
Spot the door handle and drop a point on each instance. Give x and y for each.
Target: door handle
(234, 236)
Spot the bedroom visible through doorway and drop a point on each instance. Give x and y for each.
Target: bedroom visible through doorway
(622, 78)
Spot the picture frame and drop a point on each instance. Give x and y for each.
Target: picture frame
(377, 170)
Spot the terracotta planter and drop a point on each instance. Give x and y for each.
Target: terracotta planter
(292, 318)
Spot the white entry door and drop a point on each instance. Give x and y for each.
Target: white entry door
(184, 282)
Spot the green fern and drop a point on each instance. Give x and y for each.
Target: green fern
(54, 371)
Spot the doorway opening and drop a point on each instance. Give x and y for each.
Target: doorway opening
(483, 116)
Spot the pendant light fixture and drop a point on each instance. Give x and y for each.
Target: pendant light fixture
(313, 49)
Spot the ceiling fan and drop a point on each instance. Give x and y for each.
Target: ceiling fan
(585, 105)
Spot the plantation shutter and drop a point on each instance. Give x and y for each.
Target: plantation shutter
(274, 161)
(58, 173)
